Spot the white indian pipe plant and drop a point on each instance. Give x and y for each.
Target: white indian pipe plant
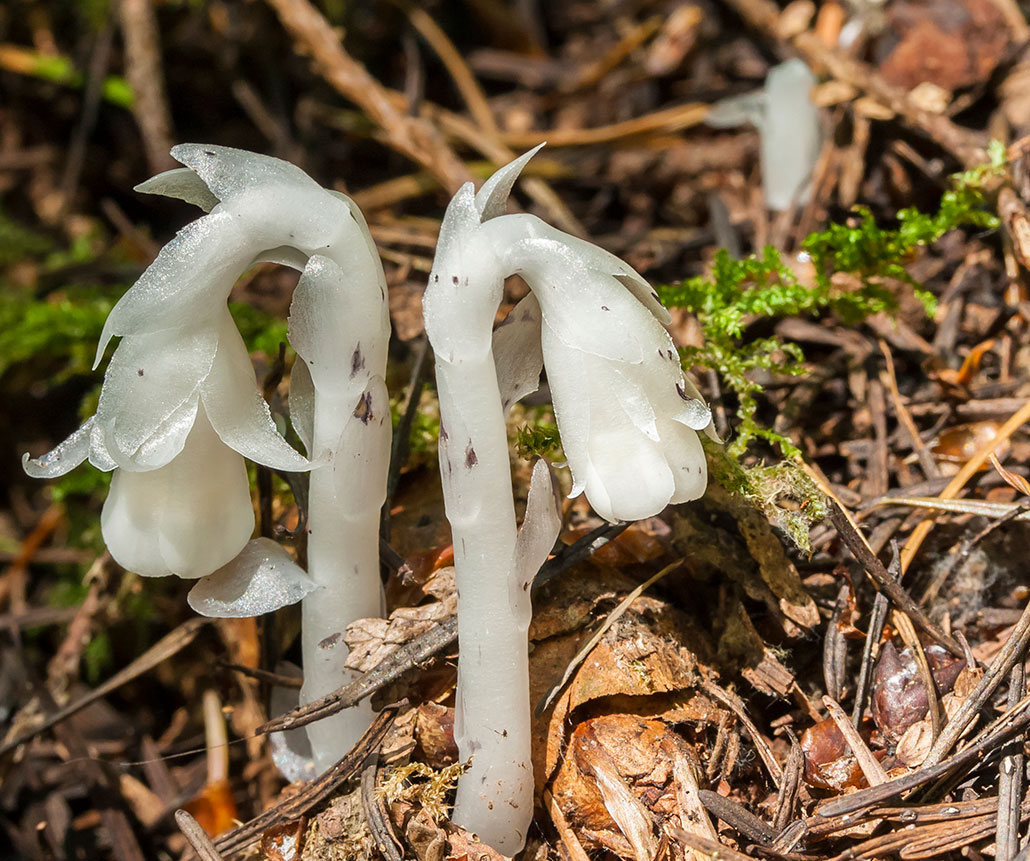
(179, 411)
(628, 420)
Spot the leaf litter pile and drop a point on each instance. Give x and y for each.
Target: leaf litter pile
(822, 658)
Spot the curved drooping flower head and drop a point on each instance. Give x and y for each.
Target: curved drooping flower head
(180, 409)
(627, 414)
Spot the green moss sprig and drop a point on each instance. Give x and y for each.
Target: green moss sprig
(763, 286)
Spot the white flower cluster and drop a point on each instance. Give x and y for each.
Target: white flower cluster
(628, 419)
(179, 409)
(627, 415)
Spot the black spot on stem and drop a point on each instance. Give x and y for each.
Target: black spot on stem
(471, 459)
(357, 361)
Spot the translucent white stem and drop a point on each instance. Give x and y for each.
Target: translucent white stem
(343, 560)
(492, 722)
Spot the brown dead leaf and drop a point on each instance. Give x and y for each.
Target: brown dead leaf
(622, 774)
(462, 846)
(915, 744)
(960, 443)
(372, 640)
(829, 761)
(434, 734)
(284, 842)
(754, 557)
(953, 43)
(423, 834)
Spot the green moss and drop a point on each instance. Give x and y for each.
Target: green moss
(538, 439)
(783, 492)
(737, 292)
(57, 332)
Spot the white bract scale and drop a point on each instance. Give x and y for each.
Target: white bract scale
(628, 420)
(180, 409)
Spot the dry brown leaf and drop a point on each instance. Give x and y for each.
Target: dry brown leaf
(371, 641)
(754, 557)
(621, 775)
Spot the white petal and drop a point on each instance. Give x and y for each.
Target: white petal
(791, 135)
(634, 399)
(284, 255)
(686, 457)
(492, 199)
(98, 453)
(587, 309)
(150, 392)
(363, 453)
(540, 526)
(362, 224)
(567, 378)
(623, 473)
(229, 172)
(302, 404)
(129, 521)
(188, 282)
(261, 579)
(737, 110)
(336, 329)
(632, 471)
(238, 412)
(517, 352)
(187, 518)
(606, 263)
(62, 459)
(182, 184)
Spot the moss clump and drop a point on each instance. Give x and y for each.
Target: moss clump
(538, 439)
(737, 292)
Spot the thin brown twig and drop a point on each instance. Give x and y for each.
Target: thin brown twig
(738, 817)
(926, 461)
(197, 836)
(1010, 779)
(315, 792)
(411, 136)
(142, 39)
(966, 146)
(884, 582)
(1001, 730)
(163, 649)
(736, 705)
(1020, 417)
(870, 765)
(372, 806)
(790, 786)
(456, 66)
(1014, 650)
(908, 634)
